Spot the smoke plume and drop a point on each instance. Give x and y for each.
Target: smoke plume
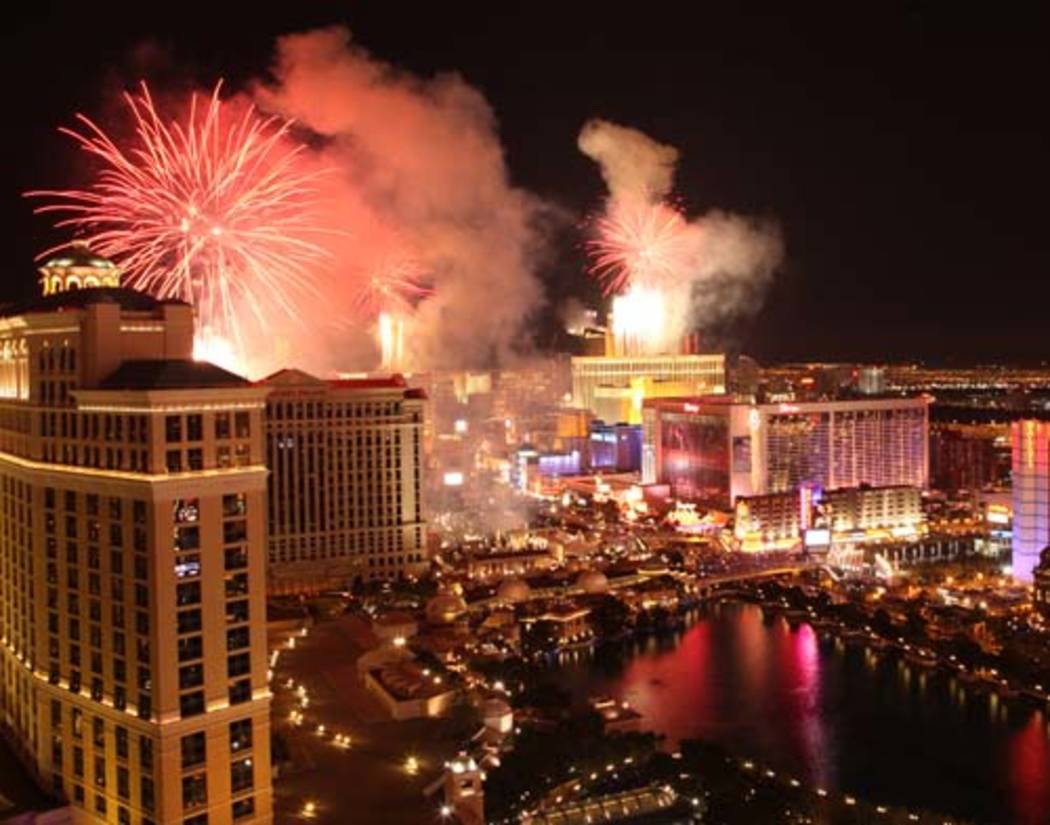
(418, 176)
(711, 269)
(632, 163)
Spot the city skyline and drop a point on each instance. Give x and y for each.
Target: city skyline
(871, 172)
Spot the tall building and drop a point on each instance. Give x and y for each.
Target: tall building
(1041, 590)
(715, 449)
(1031, 494)
(132, 563)
(614, 387)
(345, 490)
(963, 456)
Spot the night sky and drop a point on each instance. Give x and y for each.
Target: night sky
(903, 152)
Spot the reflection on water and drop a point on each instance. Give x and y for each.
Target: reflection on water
(839, 716)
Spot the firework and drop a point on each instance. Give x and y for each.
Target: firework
(639, 243)
(217, 210)
(639, 320)
(393, 284)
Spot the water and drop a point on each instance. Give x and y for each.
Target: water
(833, 715)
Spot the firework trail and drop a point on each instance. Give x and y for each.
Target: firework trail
(217, 210)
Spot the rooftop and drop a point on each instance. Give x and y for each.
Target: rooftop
(78, 254)
(128, 299)
(170, 374)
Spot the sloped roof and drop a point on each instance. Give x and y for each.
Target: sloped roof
(170, 374)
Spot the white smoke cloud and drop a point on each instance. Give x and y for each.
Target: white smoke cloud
(419, 171)
(723, 262)
(632, 163)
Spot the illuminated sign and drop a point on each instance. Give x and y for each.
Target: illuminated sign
(693, 408)
(453, 479)
(818, 538)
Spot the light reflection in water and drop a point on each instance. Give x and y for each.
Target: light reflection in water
(833, 714)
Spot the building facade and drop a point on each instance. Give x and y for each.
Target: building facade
(345, 489)
(132, 617)
(1041, 590)
(1030, 440)
(777, 521)
(713, 450)
(614, 387)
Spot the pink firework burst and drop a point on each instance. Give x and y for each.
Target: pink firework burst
(218, 210)
(638, 243)
(394, 283)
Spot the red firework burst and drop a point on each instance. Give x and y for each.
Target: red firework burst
(637, 243)
(217, 210)
(394, 283)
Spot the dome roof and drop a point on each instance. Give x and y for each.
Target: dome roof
(495, 706)
(78, 255)
(592, 581)
(513, 589)
(445, 608)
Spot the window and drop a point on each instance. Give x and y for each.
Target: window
(187, 538)
(193, 750)
(239, 664)
(194, 791)
(191, 704)
(78, 761)
(237, 585)
(241, 424)
(186, 510)
(234, 531)
(173, 461)
(222, 427)
(235, 558)
(195, 459)
(188, 593)
(237, 611)
(223, 457)
(191, 676)
(123, 783)
(122, 742)
(146, 793)
(98, 732)
(189, 621)
(241, 775)
(145, 754)
(100, 804)
(200, 819)
(241, 692)
(194, 427)
(188, 566)
(100, 771)
(190, 647)
(240, 735)
(243, 807)
(234, 504)
(173, 429)
(236, 638)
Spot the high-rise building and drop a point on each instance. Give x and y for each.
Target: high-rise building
(713, 450)
(132, 564)
(1041, 590)
(345, 490)
(1031, 494)
(614, 387)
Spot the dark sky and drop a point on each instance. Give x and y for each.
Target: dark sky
(903, 149)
